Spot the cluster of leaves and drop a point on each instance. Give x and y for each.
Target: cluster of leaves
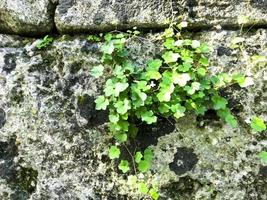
(258, 125)
(177, 83)
(143, 161)
(47, 40)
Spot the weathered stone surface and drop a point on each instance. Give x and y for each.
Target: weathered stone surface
(37, 17)
(101, 15)
(26, 17)
(21, 180)
(47, 99)
(227, 13)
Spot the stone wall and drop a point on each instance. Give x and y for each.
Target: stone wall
(53, 143)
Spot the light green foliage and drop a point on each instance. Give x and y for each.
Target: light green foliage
(142, 187)
(93, 38)
(114, 152)
(138, 157)
(258, 124)
(242, 80)
(144, 162)
(263, 156)
(176, 83)
(101, 103)
(45, 42)
(154, 193)
(124, 166)
(97, 71)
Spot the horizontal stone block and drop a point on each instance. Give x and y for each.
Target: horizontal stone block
(75, 16)
(101, 15)
(26, 17)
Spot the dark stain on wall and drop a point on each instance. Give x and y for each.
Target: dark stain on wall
(149, 134)
(184, 160)
(86, 107)
(2, 118)
(10, 62)
(20, 179)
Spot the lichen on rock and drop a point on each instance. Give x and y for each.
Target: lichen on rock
(61, 137)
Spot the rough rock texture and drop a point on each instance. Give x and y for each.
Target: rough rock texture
(226, 13)
(37, 17)
(101, 15)
(26, 17)
(49, 128)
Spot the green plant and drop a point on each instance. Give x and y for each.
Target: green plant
(175, 84)
(263, 156)
(257, 124)
(44, 42)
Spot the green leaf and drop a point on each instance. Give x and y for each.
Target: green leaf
(187, 42)
(108, 37)
(97, 71)
(263, 156)
(154, 65)
(123, 106)
(247, 81)
(168, 32)
(258, 124)
(101, 103)
(178, 110)
(170, 57)
(148, 154)
(138, 156)
(120, 35)
(169, 43)
(142, 188)
(45, 42)
(201, 71)
(143, 166)
(226, 115)
(119, 72)
(181, 79)
(93, 38)
(114, 118)
(114, 152)
(108, 48)
(242, 80)
(121, 125)
(148, 117)
(204, 61)
(153, 75)
(230, 119)
(124, 166)
(204, 48)
(164, 95)
(193, 88)
(164, 108)
(121, 137)
(120, 87)
(109, 88)
(219, 102)
(154, 193)
(133, 130)
(185, 67)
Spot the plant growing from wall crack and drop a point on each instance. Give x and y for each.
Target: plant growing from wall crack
(174, 84)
